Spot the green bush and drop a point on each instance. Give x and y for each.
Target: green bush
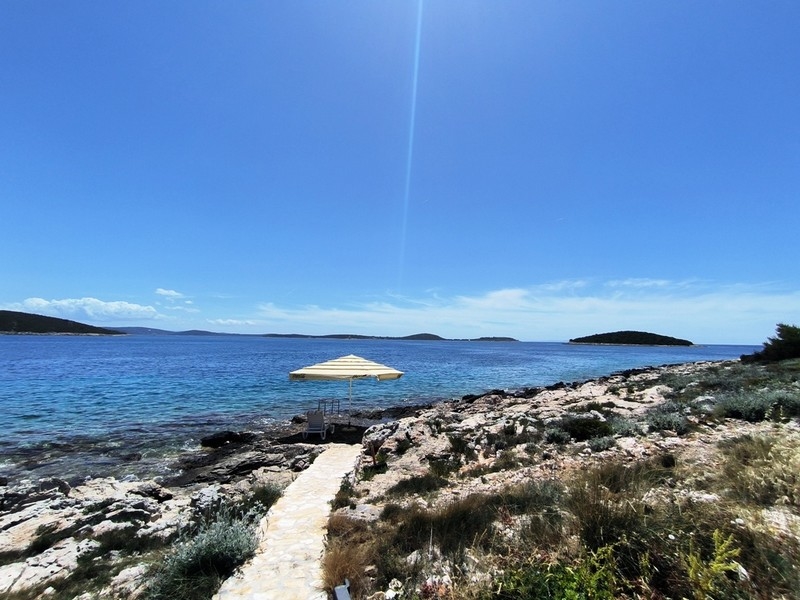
(601, 443)
(418, 484)
(443, 467)
(583, 428)
(759, 405)
(667, 416)
(461, 447)
(200, 562)
(785, 344)
(556, 435)
(261, 498)
(591, 578)
(624, 427)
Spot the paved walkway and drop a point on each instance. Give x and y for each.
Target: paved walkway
(292, 535)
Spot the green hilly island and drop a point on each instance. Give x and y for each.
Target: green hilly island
(637, 338)
(20, 322)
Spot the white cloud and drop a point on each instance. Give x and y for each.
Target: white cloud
(699, 311)
(640, 283)
(231, 322)
(171, 294)
(88, 309)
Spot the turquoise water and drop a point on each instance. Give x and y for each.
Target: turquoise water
(93, 401)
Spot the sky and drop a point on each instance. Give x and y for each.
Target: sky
(535, 169)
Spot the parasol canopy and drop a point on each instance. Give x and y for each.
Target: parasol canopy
(345, 368)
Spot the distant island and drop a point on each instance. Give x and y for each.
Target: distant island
(12, 322)
(417, 336)
(636, 338)
(20, 322)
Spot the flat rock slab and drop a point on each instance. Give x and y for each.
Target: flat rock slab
(292, 535)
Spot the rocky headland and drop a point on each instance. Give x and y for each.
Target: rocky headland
(50, 530)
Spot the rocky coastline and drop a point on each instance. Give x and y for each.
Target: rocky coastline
(47, 525)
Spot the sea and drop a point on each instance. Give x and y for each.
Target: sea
(75, 407)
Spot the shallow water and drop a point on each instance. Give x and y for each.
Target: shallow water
(99, 405)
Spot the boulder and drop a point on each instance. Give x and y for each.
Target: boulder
(222, 438)
(53, 563)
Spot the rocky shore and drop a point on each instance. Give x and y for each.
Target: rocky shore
(47, 526)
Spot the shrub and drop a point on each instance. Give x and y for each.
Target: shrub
(624, 427)
(461, 447)
(508, 437)
(704, 576)
(759, 405)
(785, 344)
(584, 428)
(369, 471)
(667, 416)
(418, 484)
(344, 496)
(202, 561)
(556, 435)
(601, 443)
(443, 467)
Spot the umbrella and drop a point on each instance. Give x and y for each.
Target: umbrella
(345, 368)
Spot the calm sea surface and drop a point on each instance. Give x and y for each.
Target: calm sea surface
(73, 405)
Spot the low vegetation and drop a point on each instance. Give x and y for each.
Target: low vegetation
(210, 551)
(204, 557)
(190, 567)
(661, 526)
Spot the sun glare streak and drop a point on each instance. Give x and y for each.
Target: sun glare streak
(410, 155)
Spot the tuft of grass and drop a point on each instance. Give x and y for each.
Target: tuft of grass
(351, 548)
(762, 470)
(418, 484)
(344, 497)
(453, 527)
(369, 471)
(261, 498)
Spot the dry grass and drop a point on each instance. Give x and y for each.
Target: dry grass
(618, 529)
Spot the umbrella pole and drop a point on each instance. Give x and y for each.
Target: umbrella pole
(350, 402)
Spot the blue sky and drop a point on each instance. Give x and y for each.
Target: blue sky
(541, 170)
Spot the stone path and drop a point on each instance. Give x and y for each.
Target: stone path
(292, 535)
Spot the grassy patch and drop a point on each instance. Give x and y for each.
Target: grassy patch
(759, 405)
(418, 484)
(762, 470)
